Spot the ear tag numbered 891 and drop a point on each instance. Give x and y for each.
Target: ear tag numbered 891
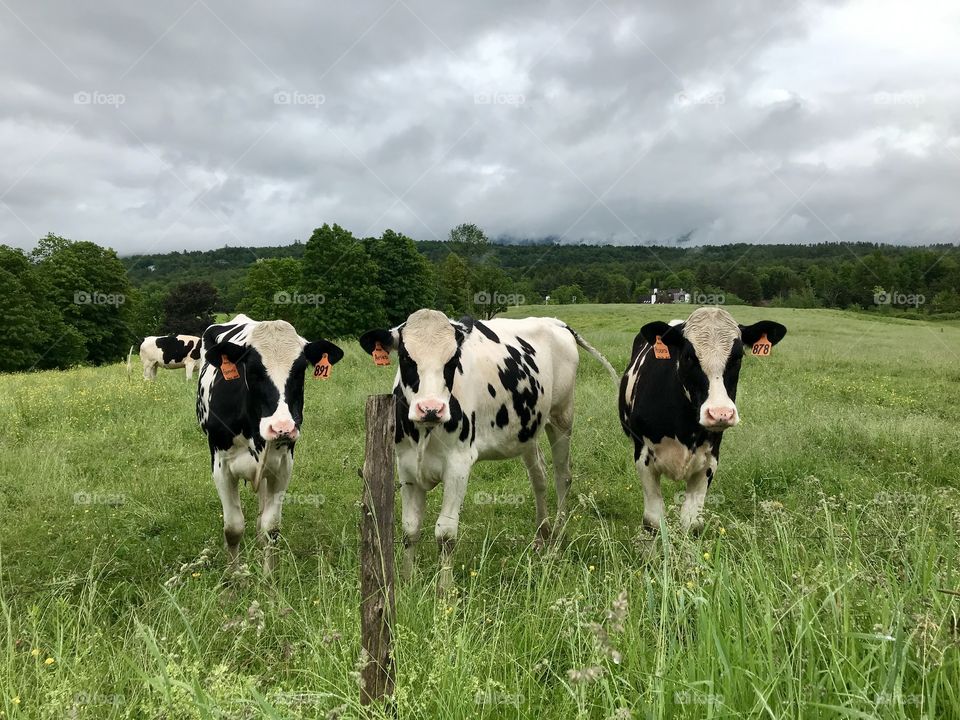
(660, 350)
(380, 356)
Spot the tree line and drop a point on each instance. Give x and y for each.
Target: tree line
(68, 302)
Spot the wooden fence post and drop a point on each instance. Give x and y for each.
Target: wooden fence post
(377, 606)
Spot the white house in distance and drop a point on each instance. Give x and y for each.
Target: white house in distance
(668, 296)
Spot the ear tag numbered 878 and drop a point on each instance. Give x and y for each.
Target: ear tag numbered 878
(762, 347)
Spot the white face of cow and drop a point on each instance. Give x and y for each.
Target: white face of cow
(715, 338)
(428, 352)
(271, 367)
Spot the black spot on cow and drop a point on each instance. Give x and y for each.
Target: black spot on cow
(473, 427)
(409, 376)
(502, 417)
(456, 416)
(492, 390)
(175, 350)
(404, 426)
(487, 332)
(518, 377)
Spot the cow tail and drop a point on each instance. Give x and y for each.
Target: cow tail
(597, 354)
(129, 353)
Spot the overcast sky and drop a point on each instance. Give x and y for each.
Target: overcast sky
(194, 124)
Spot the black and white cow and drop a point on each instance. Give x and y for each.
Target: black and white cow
(250, 406)
(469, 390)
(678, 396)
(168, 351)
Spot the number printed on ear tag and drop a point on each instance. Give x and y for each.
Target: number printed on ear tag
(228, 369)
(762, 347)
(660, 350)
(380, 356)
(321, 371)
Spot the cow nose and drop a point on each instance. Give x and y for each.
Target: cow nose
(721, 415)
(282, 428)
(430, 410)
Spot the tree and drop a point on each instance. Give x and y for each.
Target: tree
(338, 270)
(272, 290)
(43, 339)
(567, 295)
(453, 291)
(189, 308)
(89, 285)
(469, 241)
(407, 278)
(492, 291)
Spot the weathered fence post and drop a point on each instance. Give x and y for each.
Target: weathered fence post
(376, 552)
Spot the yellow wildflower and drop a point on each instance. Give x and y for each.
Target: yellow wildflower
(35, 652)
(49, 661)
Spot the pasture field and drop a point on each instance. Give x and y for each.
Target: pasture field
(816, 589)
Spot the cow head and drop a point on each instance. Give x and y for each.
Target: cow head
(271, 369)
(428, 351)
(707, 350)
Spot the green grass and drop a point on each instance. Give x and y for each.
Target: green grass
(814, 591)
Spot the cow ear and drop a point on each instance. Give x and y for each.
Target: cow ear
(773, 330)
(386, 338)
(314, 352)
(233, 352)
(669, 334)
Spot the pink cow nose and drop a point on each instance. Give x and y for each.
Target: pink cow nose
(721, 415)
(430, 409)
(282, 428)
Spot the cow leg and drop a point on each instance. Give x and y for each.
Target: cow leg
(652, 496)
(538, 480)
(560, 450)
(413, 500)
(229, 492)
(454, 491)
(272, 490)
(691, 519)
(149, 370)
(189, 368)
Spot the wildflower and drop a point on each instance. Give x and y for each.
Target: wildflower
(690, 584)
(591, 568)
(35, 652)
(706, 556)
(196, 574)
(16, 699)
(473, 573)
(49, 661)
(723, 531)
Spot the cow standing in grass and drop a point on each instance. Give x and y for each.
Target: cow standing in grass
(469, 390)
(678, 396)
(250, 406)
(170, 352)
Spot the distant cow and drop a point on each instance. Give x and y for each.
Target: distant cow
(469, 390)
(250, 406)
(168, 351)
(677, 397)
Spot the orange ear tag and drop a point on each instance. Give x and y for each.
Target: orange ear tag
(380, 356)
(321, 371)
(762, 346)
(228, 369)
(660, 350)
